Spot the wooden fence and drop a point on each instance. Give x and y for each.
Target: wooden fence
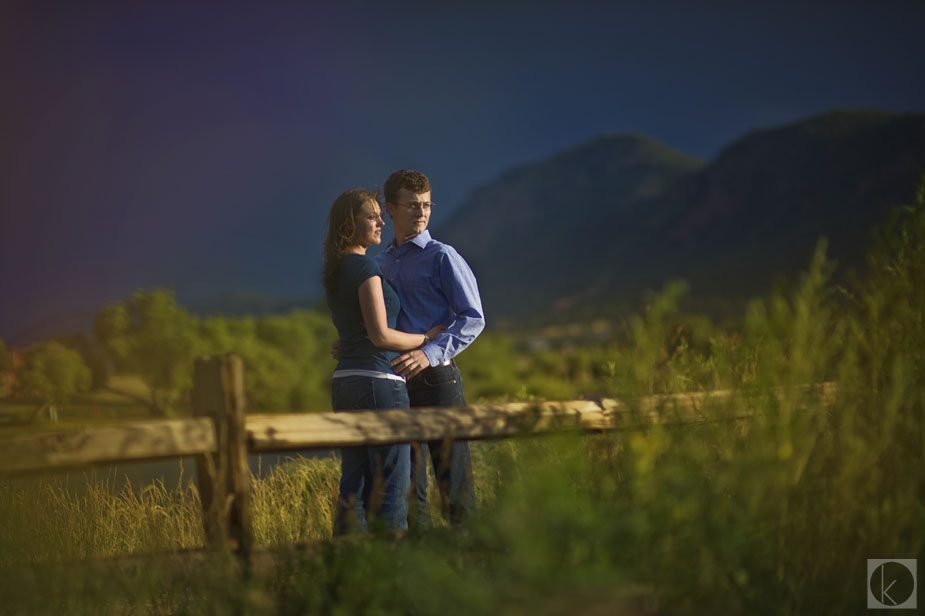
(221, 435)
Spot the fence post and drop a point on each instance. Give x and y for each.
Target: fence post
(224, 478)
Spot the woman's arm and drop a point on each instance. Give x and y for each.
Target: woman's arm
(372, 304)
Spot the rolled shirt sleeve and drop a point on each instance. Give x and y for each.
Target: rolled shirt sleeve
(465, 305)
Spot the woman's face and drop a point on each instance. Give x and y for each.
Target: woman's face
(369, 224)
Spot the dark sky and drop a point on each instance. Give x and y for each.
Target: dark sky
(199, 146)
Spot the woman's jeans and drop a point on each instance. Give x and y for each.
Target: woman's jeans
(441, 386)
(374, 479)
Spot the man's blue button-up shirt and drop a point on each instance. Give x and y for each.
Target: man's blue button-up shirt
(436, 287)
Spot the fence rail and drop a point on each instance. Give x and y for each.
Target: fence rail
(221, 435)
(126, 442)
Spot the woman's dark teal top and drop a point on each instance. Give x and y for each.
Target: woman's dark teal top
(356, 349)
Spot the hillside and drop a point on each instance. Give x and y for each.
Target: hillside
(540, 231)
(605, 221)
(589, 231)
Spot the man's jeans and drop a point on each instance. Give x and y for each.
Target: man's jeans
(441, 386)
(374, 480)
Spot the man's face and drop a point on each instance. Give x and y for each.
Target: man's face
(410, 215)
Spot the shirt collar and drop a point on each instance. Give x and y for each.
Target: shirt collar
(420, 240)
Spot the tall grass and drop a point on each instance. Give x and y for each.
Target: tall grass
(776, 514)
(45, 521)
(295, 502)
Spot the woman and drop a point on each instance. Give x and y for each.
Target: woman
(374, 479)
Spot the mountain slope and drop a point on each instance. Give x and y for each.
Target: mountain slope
(525, 233)
(604, 221)
(757, 212)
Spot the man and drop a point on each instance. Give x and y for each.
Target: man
(436, 287)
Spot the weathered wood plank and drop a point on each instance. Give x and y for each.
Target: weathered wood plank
(144, 440)
(295, 431)
(321, 430)
(182, 437)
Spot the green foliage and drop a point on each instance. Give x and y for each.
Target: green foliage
(490, 367)
(6, 361)
(54, 373)
(150, 335)
(286, 356)
(92, 355)
(774, 514)
(288, 365)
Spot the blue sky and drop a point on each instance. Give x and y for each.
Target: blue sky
(198, 146)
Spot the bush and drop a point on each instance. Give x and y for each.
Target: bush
(54, 373)
(774, 514)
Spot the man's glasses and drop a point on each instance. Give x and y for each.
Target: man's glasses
(424, 206)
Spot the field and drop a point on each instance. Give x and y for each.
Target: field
(120, 400)
(777, 514)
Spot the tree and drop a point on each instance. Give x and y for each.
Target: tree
(287, 360)
(54, 373)
(151, 336)
(92, 355)
(6, 365)
(6, 361)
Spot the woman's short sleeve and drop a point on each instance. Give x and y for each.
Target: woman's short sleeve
(366, 267)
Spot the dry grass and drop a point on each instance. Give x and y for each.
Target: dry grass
(44, 520)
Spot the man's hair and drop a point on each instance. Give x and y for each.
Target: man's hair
(342, 228)
(415, 181)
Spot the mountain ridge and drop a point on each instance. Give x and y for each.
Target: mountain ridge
(610, 175)
(594, 227)
(731, 226)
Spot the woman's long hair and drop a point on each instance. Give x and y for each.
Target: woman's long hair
(342, 228)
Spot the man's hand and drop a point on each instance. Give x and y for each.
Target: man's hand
(335, 350)
(410, 363)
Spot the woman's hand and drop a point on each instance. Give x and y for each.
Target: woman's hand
(434, 331)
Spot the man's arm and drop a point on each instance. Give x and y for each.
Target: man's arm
(462, 295)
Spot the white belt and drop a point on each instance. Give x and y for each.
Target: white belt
(370, 373)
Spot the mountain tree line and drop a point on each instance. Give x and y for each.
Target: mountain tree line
(659, 350)
(152, 337)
